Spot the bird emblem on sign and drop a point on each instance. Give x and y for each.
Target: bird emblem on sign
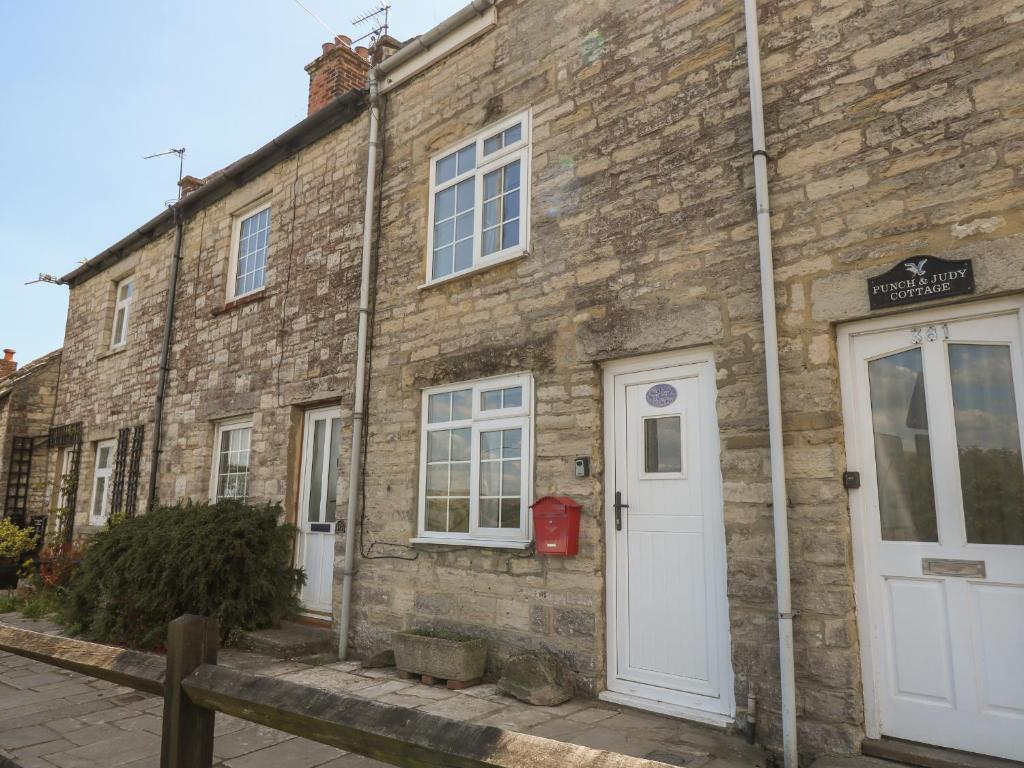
(917, 270)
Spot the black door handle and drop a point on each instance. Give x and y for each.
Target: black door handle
(619, 506)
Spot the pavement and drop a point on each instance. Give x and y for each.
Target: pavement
(53, 718)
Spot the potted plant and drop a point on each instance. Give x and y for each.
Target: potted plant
(440, 655)
(15, 542)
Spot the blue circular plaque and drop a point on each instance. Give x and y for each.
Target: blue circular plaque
(661, 395)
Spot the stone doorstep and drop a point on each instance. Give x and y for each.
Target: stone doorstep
(927, 756)
(291, 640)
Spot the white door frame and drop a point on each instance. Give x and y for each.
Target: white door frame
(309, 417)
(870, 642)
(715, 528)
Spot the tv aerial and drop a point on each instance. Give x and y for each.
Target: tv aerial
(378, 17)
(180, 152)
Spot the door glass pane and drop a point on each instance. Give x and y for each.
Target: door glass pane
(662, 445)
(988, 443)
(903, 462)
(98, 495)
(332, 472)
(316, 472)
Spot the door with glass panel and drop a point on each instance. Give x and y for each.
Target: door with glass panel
(936, 420)
(318, 501)
(668, 634)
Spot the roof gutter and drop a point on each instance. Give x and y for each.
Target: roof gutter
(335, 113)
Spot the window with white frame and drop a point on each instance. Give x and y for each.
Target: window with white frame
(124, 295)
(231, 461)
(476, 462)
(479, 200)
(248, 272)
(100, 509)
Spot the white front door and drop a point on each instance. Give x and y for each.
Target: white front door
(318, 501)
(934, 427)
(668, 633)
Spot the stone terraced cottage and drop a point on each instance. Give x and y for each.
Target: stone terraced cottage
(565, 299)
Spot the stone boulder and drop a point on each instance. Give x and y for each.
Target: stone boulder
(537, 677)
(383, 657)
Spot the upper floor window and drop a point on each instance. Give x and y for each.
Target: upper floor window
(124, 295)
(479, 200)
(476, 462)
(231, 460)
(248, 270)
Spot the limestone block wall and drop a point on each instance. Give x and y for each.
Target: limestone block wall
(277, 352)
(894, 129)
(103, 389)
(26, 410)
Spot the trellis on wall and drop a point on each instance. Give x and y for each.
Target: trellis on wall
(19, 473)
(69, 438)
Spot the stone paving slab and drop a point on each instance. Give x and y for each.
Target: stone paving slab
(53, 718)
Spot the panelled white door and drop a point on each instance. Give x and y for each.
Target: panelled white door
(934, 415)
(668, 631)
(318, 501)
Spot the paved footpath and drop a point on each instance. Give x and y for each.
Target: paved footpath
(53, 718)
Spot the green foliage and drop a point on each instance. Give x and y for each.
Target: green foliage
(8, 601)
(41, 603)
(226, 560)
(15, 540)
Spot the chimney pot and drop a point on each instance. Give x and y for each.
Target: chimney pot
(7, 365)
(337, 70)
(363, 52)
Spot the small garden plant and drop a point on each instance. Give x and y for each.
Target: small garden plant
(15, 540)
(227, 560)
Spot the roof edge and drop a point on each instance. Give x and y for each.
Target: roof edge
(337, 112)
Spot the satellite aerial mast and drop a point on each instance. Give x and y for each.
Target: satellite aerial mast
(379, 17)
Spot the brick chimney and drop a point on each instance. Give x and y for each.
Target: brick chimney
(338, 69)
(188, 185)
(7, 365)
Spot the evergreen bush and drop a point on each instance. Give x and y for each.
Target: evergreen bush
(227, 560)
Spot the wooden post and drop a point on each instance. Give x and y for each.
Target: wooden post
(188, 728)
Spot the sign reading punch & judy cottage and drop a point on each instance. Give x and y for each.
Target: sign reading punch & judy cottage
(921, 278)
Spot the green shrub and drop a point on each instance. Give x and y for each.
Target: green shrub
(227, 560)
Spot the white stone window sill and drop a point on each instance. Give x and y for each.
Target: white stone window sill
(483, 543)
(484, 265)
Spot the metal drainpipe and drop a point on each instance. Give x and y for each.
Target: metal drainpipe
(416, 46)
(358, 404)
(165, 353)
(771, 361)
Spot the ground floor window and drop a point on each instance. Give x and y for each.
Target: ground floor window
(231, 460)
(476, 462)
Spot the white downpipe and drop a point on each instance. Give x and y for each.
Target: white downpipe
(421, 44)
(358, 402)
(771, 364)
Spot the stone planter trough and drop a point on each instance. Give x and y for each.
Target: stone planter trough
(439, 657)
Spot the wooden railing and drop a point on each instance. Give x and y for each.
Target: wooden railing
(194, 688)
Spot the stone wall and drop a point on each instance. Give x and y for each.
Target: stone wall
(27, 400)
(893, 128)
(282, 350)
(107, 390)
(642, 241)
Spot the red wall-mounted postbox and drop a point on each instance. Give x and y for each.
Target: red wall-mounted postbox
(556, 524)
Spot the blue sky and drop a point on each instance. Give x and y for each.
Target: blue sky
(89, 88)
